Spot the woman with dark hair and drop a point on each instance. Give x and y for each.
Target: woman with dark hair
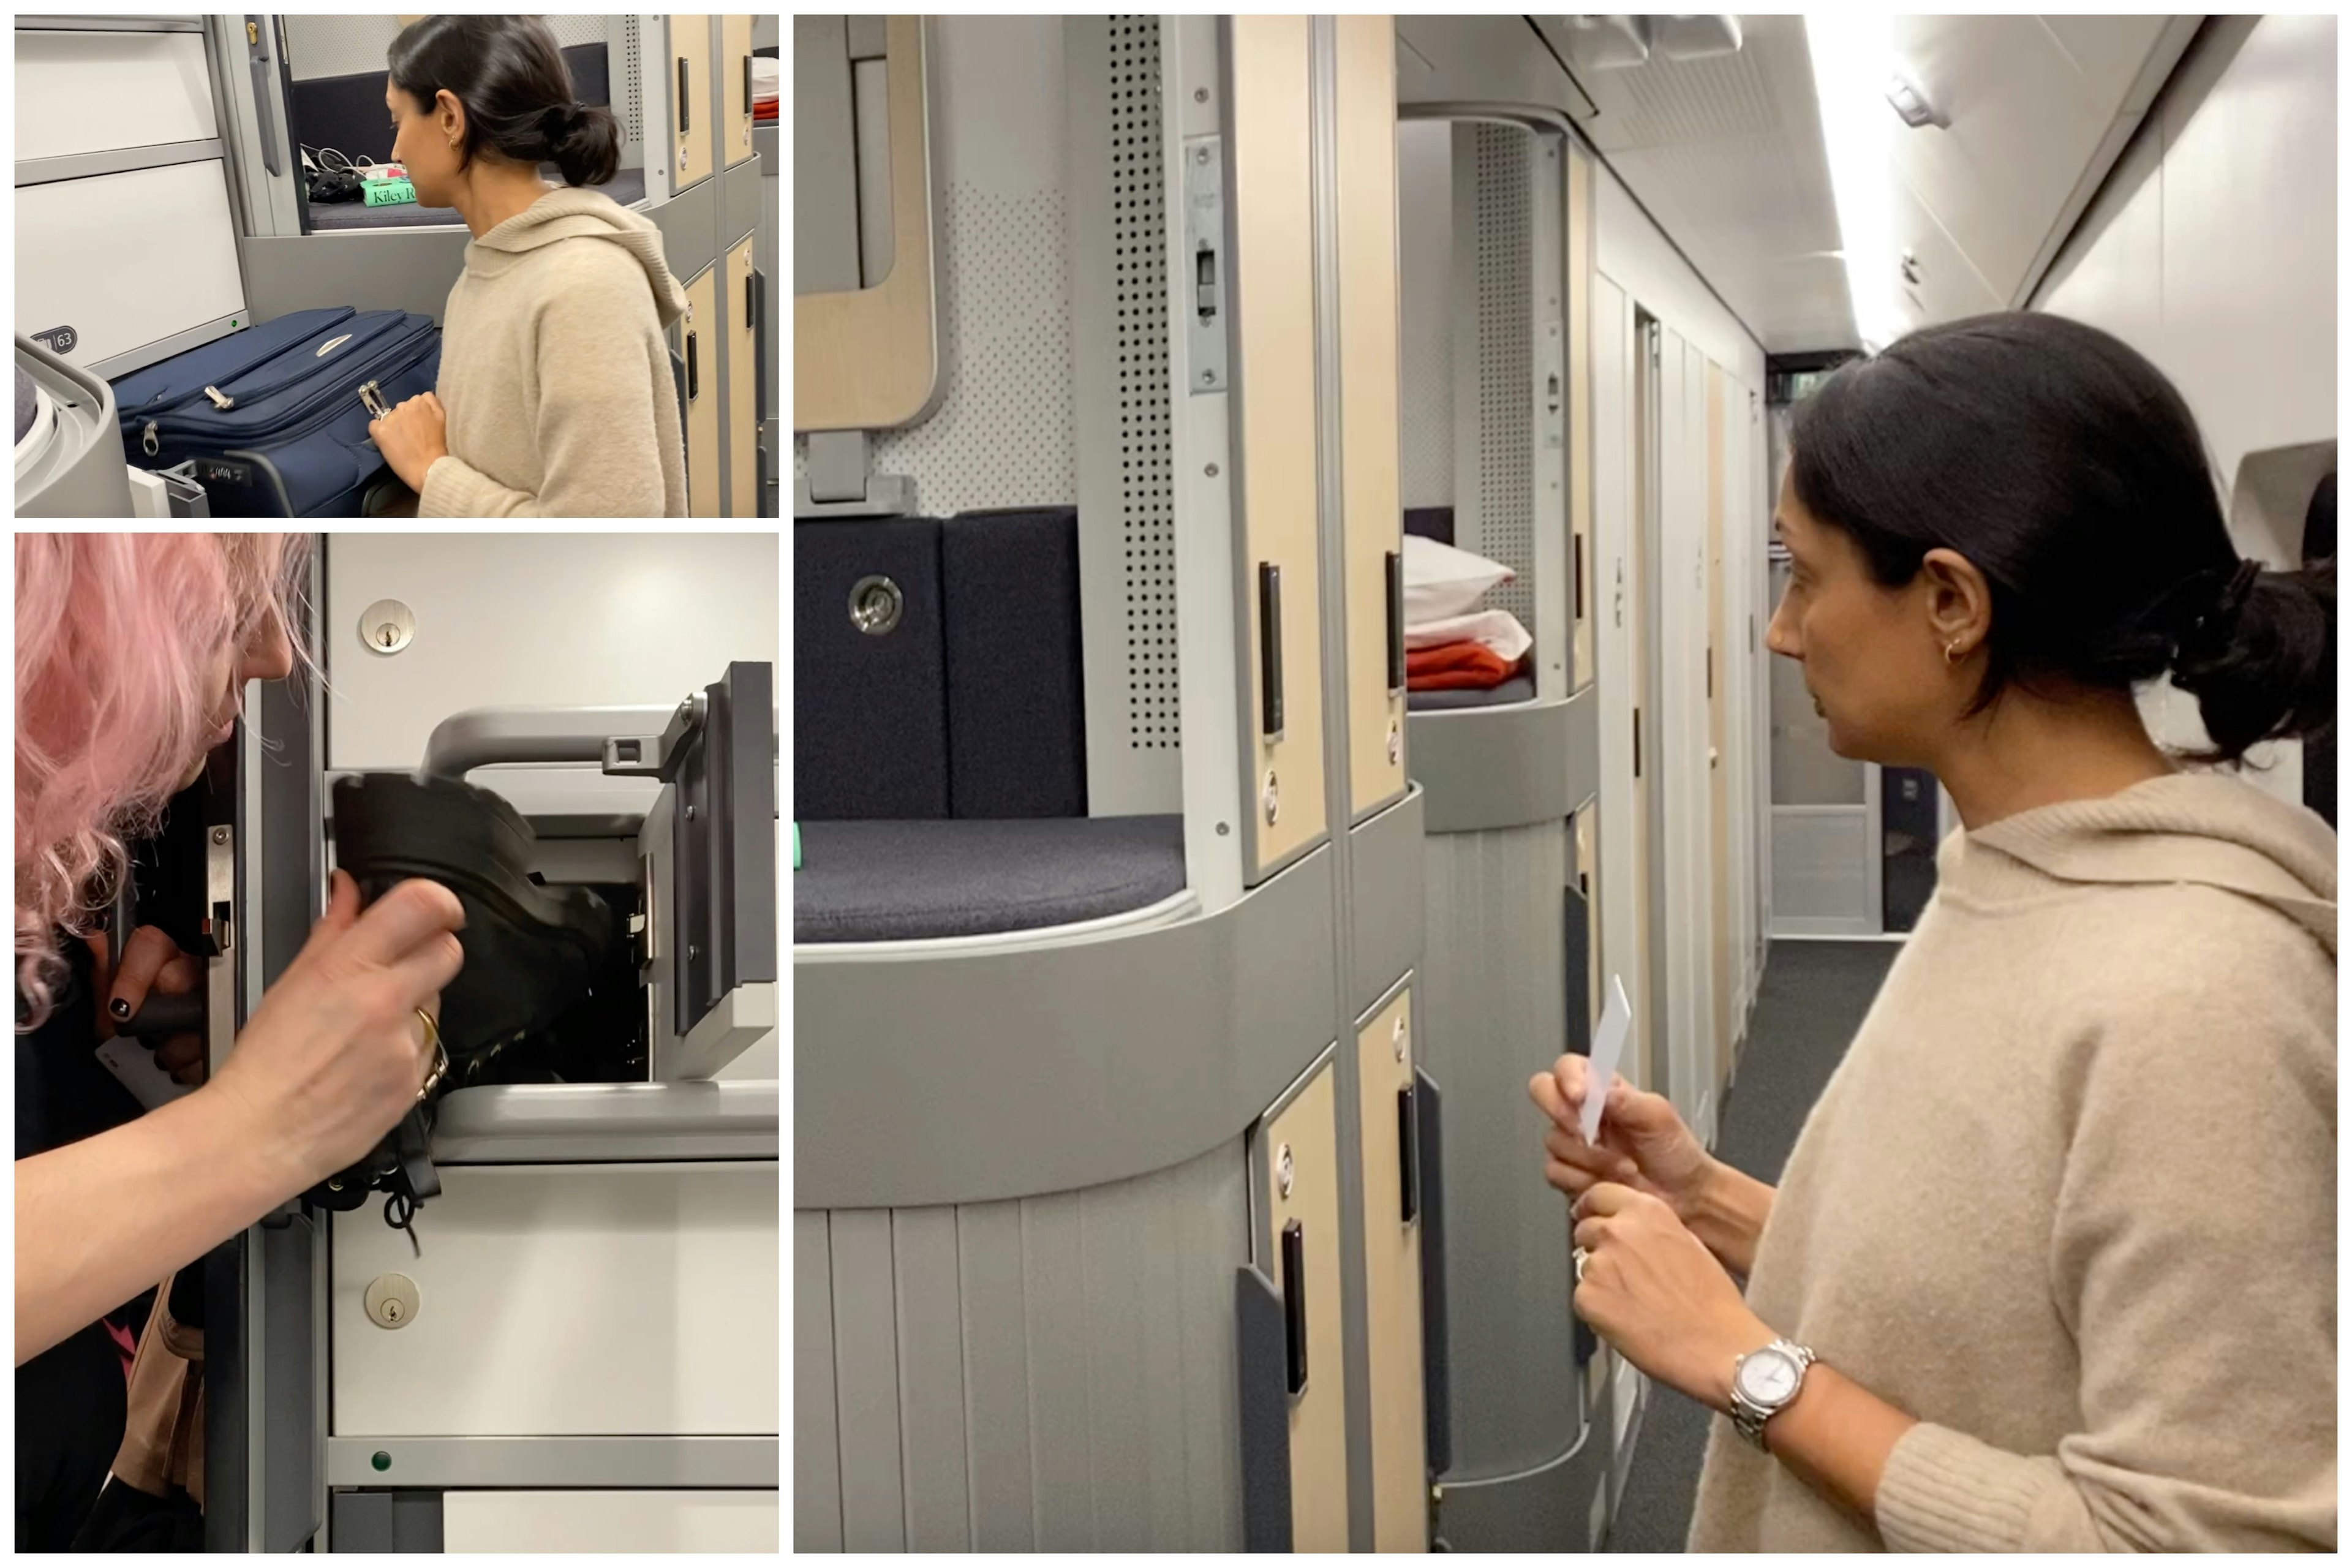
(555, 396)
(2052, 1265)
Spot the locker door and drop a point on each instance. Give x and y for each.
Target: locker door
(691, 102)
(1392, 1220)
(1270, 216)
(735, 71)
(696, 331)
(1303, 1190)
(1582, 560)
(1371, 431)
(742, 375)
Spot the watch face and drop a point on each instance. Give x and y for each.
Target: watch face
(1769, 1377)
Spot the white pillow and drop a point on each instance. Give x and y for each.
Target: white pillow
(1441, 582)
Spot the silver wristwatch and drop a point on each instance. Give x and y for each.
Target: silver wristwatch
(1765, 1383)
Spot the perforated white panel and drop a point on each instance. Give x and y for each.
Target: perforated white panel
(1000, 435)
(1506, 412)
(1147, 496)
(626, 98)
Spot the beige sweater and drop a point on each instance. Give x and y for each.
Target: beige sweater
(2070, 1199)
(555, 374)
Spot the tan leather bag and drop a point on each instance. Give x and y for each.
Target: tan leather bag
(163, 1435)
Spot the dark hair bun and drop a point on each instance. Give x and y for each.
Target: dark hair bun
(589, 150)
(2262, 662)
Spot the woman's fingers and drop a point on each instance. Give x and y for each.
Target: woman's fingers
(1545, 1091)
(1568, 1179)
(425, 972)
(1604, 1162)
(144, 958)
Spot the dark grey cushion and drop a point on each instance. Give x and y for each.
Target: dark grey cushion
(898, 881)
(1518, 688)
(1430, 522)
(25, 403)
(869, 713)
(1017, 699)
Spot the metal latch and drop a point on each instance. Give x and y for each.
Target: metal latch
(656, 756)
(372, 395)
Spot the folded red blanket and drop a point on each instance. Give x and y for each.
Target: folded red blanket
(1456, 666)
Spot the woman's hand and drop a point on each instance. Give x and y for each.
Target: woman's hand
(1644, 1143)
(335, 1053)
(1655, 1293)
(152, 963)
(412, 437)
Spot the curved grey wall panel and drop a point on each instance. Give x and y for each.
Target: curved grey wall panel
(1491, 1012)
(1010, 1074)
(1051, 1375)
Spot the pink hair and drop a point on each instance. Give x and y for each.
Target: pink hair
(116, 639)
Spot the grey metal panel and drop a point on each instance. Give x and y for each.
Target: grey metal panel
(1491, 1009)
(1584, 747)
(1545, 1510)
(387, 1522)
(930, 1380)
(292, 1446)
(745, 194)
(154, 23)
(1488, 768)
(114, 160)
(1386, 933)
(383, 269)
(817, 1442)
(732, 1464)
(996, 1377)
(865, 1374)
(589, 1122)
(689, 225)
(997, 1076)
(1056, 1280)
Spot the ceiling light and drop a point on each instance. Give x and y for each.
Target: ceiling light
(1850, 51)
(1911, 101)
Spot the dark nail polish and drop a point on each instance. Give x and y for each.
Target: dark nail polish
(121, 1007)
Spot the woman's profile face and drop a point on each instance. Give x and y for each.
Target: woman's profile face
(267, 655)
(420, 146)
(1869, 653)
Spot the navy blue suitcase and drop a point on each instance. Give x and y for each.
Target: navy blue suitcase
(273, 416)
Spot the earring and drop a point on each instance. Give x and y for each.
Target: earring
(1951, 653)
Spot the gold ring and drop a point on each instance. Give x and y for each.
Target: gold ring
(440, 1057)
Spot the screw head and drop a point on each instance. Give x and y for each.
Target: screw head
(1211, 470)
(1285, 1172)
(220, 834)
(1208, 378)
(1203, 155)
(1199, 95)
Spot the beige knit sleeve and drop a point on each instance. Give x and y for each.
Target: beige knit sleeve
(2193, 1262)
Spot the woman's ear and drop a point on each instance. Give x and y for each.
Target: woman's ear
(1959, 600)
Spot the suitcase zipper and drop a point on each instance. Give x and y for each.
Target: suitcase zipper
(221, 400)
(195, 425)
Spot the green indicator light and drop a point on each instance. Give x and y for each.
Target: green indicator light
(381, 1461)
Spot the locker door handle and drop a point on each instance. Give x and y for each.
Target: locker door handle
(685, 118)
(693, 366)
(1409, 1152)
(752, 299)
(1396, 622)
(1294, 1303)
(1269, 641)
(758, 293)
(747, 84)
(1436, 1368)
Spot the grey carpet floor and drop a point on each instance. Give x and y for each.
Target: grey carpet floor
(1814, 998)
